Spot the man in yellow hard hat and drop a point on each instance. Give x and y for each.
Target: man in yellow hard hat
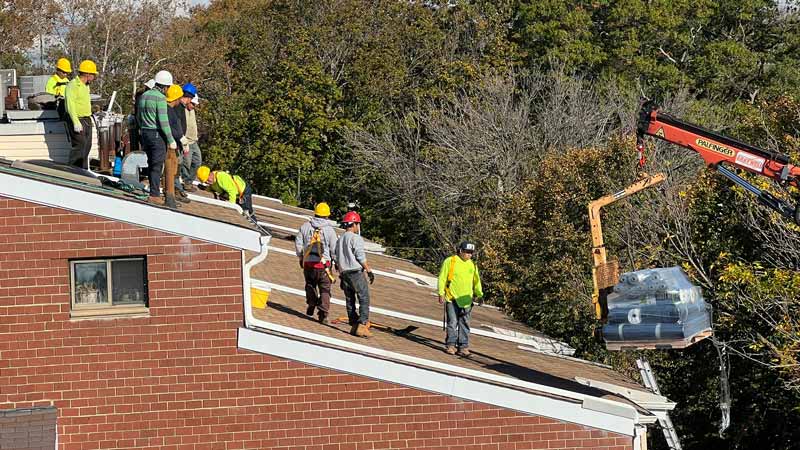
(174, 94)
(225, 186)
(58, 82)
(315, 245)
(79, 111)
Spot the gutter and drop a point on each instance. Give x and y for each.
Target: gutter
(249, 319)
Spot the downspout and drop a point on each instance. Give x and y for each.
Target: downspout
(249, 319)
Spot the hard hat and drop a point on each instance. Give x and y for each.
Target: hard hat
(189, 90)
(351, 217)
(202, 173)
(174, 92)
(63, 65)
(163, 78)
(322, 210)
(196, 100)
(87, 66)
(466, 246)
(151, 83)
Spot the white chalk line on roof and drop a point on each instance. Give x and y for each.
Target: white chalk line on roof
(376, 271)
(278, 211)
(404, 316)
(442, 378)
(213, 201)
(162, 219)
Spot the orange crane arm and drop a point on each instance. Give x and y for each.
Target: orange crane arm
(719, 151)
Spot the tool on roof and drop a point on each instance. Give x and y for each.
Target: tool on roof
(380, 326)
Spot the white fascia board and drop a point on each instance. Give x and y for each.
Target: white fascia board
(135, 213)
(389, 313)
(571, 408)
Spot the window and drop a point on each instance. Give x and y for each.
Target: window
(108, 287)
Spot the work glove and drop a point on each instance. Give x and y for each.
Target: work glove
(173, 146)
(441, 299)
(78, 128)
(371, 277)
(185, 142)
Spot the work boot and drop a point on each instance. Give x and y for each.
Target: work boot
(354, 329)
(155, 201)
(451, 350)
(310, 310)
(189, 187)
(182, 197)
(463, 351)
(169, 202)
(363, 331)
(323, 318)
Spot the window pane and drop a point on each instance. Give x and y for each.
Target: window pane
(91, 283)
(128, 282)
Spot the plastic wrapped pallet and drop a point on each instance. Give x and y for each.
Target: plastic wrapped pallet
(654, 307)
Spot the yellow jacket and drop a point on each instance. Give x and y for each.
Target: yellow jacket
(465, 283)
(56, 85)
(232, 185)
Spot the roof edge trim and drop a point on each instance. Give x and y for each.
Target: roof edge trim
(365, 365)
(63, 197)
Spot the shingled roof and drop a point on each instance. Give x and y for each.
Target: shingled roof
(505, 353)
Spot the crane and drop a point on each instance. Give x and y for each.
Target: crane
(723, 154)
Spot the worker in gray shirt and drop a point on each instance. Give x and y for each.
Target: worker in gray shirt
(314, 245)
(351, 261)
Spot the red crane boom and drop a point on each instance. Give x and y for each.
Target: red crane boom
(719, 151)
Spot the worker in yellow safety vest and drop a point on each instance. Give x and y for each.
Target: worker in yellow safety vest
(79, 111)
(459, 284)
(227, 187)
(57, 83)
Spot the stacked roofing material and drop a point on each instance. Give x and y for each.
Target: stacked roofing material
(656, 306)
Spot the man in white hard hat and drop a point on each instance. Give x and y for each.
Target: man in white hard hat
(156, 133)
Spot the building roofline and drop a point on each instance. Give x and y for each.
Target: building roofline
(162, 219)
(554, 403)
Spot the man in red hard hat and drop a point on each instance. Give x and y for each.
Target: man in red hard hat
(351, 261)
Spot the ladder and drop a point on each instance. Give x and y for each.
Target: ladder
(649, 380)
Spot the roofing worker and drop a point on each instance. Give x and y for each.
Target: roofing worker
(228, 187)
(459, 282)
(57, 83)
(171, 181)
(315, 244)
(192, 158)
(153, 119)
(79, 111)
(134, 131)
(351, 262)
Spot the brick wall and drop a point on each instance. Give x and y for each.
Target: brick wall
(176, 380)
(28, 429)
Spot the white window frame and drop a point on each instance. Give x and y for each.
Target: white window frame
(108, 309)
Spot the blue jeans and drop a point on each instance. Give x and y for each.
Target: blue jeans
(191, 163)
(355, 284)
(457, 325)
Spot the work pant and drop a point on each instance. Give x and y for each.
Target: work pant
(457, 325)
(191, 162)
(353, 283)
(179, 160)
(155, 147)
(247, 199)
(170, 172)
(81, 143)
(318, 279)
